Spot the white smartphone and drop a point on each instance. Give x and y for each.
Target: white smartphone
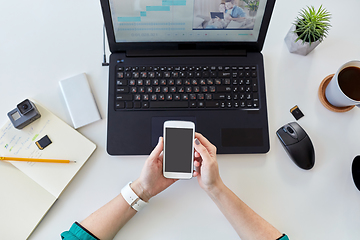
(178, 158)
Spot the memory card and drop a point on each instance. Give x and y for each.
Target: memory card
(296, 112)
(43, 142)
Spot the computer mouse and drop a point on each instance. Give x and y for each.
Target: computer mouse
(297, 144)
(355, 169)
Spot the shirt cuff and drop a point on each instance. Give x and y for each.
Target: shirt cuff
(78, 232)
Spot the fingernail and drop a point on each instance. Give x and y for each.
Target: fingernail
(159, 139)
(197, 142)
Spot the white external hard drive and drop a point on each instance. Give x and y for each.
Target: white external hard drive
(79, 100)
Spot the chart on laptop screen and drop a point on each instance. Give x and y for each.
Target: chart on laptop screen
(187, 20)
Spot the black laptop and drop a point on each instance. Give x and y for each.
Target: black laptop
(169, 63)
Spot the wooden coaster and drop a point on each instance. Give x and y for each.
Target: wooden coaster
(323, 99)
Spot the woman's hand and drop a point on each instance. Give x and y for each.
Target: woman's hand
(152, 181)
(206, 166)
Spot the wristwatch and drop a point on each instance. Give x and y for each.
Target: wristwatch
(132, 199)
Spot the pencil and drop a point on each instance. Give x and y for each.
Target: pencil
(36, 160)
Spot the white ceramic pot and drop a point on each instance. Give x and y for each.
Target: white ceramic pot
(298, 47)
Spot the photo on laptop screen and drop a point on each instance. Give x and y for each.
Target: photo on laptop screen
(230, 14)
(187, 20)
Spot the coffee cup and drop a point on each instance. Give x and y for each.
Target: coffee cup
(344, 88)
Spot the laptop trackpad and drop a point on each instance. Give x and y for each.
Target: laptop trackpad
(241, 137)
(157, 126)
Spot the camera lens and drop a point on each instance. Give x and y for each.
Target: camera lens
(25, 107)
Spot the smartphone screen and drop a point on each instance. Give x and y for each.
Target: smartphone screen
(179, 151)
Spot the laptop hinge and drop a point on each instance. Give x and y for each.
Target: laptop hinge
(184, 53)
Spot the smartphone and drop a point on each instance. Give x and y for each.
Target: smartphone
(178, 158)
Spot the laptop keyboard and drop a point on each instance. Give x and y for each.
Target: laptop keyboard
(184, 87)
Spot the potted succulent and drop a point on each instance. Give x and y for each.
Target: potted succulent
(308, 30)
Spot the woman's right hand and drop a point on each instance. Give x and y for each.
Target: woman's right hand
(206, 166)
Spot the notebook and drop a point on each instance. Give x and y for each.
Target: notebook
(170, 61)
(29, 189)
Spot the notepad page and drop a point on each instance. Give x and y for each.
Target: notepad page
(23, 203)
(67, 143)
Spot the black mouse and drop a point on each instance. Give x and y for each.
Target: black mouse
(297, 144)
(356, 171)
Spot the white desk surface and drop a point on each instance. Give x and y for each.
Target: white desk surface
(43, 42)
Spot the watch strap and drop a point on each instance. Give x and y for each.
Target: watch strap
(131, 198)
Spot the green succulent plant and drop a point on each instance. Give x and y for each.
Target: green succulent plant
(312, 25)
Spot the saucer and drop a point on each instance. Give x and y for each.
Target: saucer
(323, 99)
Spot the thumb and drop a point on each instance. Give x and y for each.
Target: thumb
(158, 149)
(201, 150)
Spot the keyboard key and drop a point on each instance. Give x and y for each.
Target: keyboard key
(165, 89)
(223, 89)
(122, 89)
(249, 104)
(169, 104)
(169, 97)
(129, 105)
(124, 97)
(224, 74)
(121, 82)
(145, 104)
(161, 97)
(137, 104)
(120, 74)
(120, 105)
(184, 97)
(204, 89)
(192, 96)
(173, 89)
(219, 96)
(211, 104)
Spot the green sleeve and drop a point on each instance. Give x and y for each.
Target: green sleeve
(283, 237)
(77, 232)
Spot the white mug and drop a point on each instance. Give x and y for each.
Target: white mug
(335, 94)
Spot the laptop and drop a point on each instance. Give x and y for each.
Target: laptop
(169, 63)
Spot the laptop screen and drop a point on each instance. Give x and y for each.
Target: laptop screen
(186, 20)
